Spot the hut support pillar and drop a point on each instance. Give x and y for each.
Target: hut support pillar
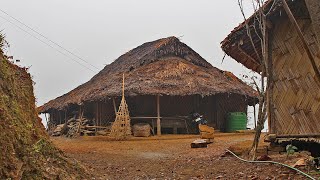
(158, 116)
(45, 115)
(80, 119)
(65, 117)
(114, 106)
(270, 111)
(60, 117)
(97, 114)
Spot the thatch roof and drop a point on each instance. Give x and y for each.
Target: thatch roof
(162, 67)
(237, 44)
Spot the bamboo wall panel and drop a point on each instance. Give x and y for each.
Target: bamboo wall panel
(295, 93)
(314, 10)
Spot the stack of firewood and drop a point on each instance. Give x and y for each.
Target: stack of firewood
(75, 127)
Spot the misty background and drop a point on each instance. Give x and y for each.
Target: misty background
(99, 31)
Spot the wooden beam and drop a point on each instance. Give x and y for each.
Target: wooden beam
(158, 116)
(299, 136)
(304, 42)
(248, 56)
(145, 117)
(100, 127)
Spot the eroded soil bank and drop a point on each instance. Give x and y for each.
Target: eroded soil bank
(25, 149)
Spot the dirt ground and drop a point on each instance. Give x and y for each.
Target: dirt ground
(168, 157)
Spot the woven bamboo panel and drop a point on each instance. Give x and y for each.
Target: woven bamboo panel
(296, 101)
(314, 11)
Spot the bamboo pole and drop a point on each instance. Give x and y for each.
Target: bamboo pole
(97, 114)
(65, 117)
(271, 82)
(100, 113)
(80, 119)
(122, 85)
(51, 118)
(304, 42)
(254, 113)
(45, 115)
(114, 106)
(158, 116)
(60, 118)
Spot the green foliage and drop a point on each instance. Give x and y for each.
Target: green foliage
(291, 149)
(44, 147)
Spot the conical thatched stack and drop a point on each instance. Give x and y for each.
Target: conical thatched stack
(121, 128)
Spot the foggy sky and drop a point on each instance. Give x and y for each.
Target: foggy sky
(99, 31)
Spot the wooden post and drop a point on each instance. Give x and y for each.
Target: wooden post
(114, 106)
(60, 118)
(122, 85)
(100, 113)
(80, 119)
(158, 116)
(303, 40)
(254, 113)
(65, 117)
(45, 115)
(270, 81)
(51, 118)
(97, 114)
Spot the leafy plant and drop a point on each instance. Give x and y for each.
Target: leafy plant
(291, 149)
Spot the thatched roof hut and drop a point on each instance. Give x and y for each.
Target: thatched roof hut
(167, 68)
(294, 106)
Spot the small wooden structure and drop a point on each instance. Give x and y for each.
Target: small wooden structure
(294, 60)
(121, 127)
(165, 81)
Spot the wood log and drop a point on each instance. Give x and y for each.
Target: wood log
(199, 143)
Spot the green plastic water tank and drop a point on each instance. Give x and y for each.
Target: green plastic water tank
(236, 121)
